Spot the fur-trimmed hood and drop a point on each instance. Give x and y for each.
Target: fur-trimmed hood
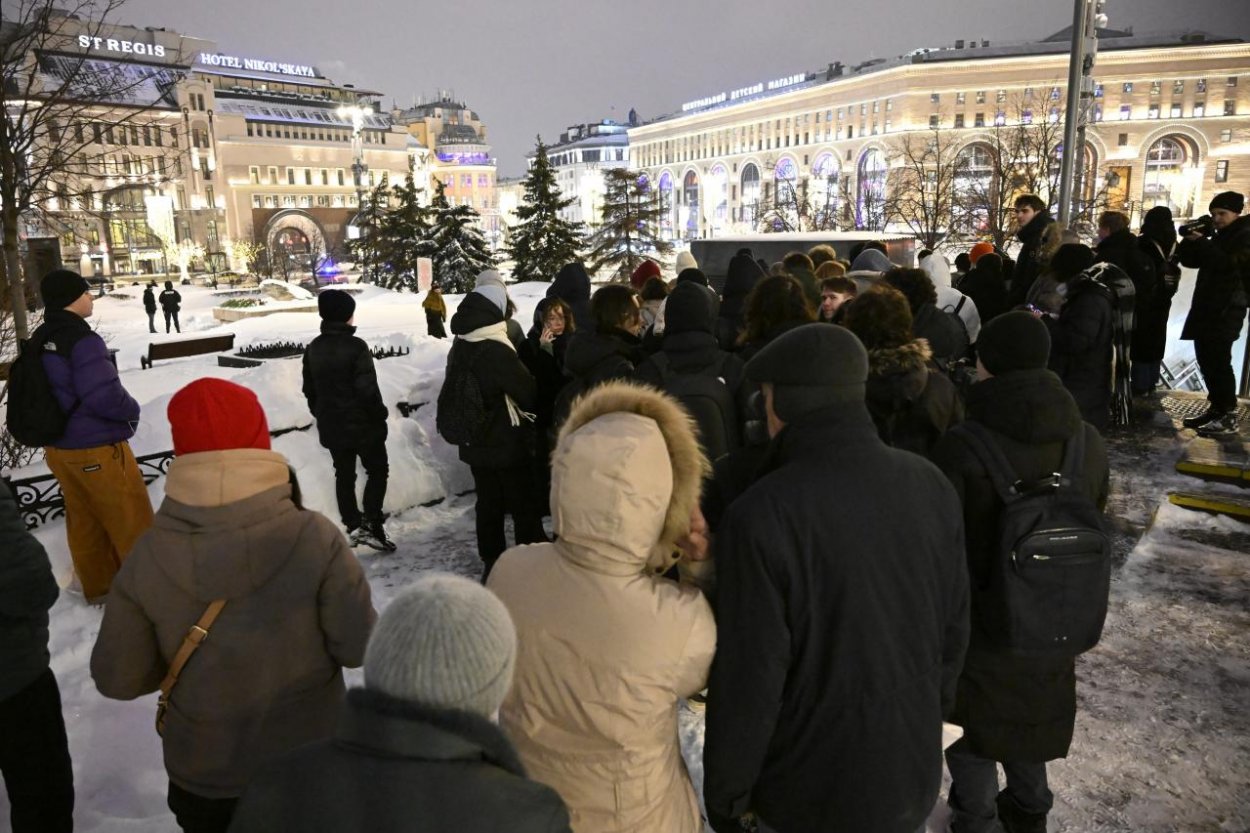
(899, 373)
(626, 475)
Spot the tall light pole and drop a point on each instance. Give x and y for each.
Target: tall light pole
(1087, 19)
(357, 114)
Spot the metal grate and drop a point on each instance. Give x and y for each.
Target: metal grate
(1182, 407)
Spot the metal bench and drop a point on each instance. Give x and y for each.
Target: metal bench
(186, 347)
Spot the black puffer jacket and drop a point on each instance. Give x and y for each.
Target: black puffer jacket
(1080, 348)
(840, 634)
(1015, 709)
(911, 403)
(1151, 332)
(1220, 296)
(27, 590)
(1028, 263)
(987, 288)
(1121, 249)
(545, 365)
(742, 276)
(341, 387)
(593, 358)
(572, 286)
(499, 371)
(392, 767)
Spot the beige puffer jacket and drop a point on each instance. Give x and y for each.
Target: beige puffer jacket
(607, 648)
(269, 676)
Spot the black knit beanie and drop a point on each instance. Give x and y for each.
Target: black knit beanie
(1229, 201)
(1013, 341)
(690, 307)
(61, 287)
(336, 305)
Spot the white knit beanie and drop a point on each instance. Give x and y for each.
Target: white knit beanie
(685, 260)
(445, 642)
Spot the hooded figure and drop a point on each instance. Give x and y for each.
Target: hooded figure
(986, 287)
(1157, 243)
(743, 274)
(868, 267)
(297, 606)
(950, 299)
(572, 286)
(490, 277)
(607, 648)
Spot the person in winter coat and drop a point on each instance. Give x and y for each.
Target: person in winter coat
(799, 266)
(171, 302)
(684, 260)
(1218, 309)
(950, 299)
(543, 356)
(34, 756)
(1157, 243)
(911, 402)
(692, 275)
(944, 331)
(868, 267)
(1118, 246)
(435, 312)
(741, 277)
(1081, 337)
(607, 647)
(149, 305)
(572, 286)
(652, 305)
(643, 273)
(1069, 261)
(776, 304)
(610, 350)
(502, 461)
(985, 286)
(1017, 712)
(836, 295)
(106, 501)
(490, 277)
(341, 388)
(839, 639)
(297, 607)
(417, 746)
(1032, 218)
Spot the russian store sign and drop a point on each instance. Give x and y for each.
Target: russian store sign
(127, 47)
(256, 65)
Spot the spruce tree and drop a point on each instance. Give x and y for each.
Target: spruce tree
(631, 224)
(406, 235)
(541, 242)
(460, 251)
(368, 249)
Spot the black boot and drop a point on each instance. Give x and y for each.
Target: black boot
(1015, 820)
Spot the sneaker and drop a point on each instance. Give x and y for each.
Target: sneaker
(1224, 425)
(374, 536)
(1210, 415)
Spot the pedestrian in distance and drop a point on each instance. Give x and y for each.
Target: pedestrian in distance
(419, 740)
(269, 591)
(106, 500)
(149, 305)
(1218, 311)
(34, 755)
(171, 303)
(832, 672)
(435, 312)
(341, 388)
(608, 647)
(1017, 711)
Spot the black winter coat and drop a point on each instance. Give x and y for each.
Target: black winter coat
(840, 634)
(911, 403)
(1151, 332)
(149, 300)
(945, 332)
(499, 371)
(547, 368)
(1080, 348)
(694, 353)
(593, 358)
(1028, 264)
(1220, 296)
(393, 767)
(171, 300)
(742, 276)
(27, 590)
(1121, 249)
(1011, 708)
(341, 387)
(572, 286)
(988, 290)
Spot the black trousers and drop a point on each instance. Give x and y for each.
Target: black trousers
(34, 758)
(1215, 360)
(974, 789)
(151, 320)
(505, 491)
(172, 314)
(373, 458)
(197, 814)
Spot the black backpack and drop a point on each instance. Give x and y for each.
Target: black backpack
(709, 402)
(33, 416)
(1052, 576)
(463, 416)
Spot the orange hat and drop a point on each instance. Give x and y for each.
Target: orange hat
(974, 254)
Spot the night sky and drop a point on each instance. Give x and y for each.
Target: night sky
(537, 66)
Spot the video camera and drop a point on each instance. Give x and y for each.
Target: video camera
(1204, 225)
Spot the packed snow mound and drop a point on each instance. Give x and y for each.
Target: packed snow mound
(285, 291)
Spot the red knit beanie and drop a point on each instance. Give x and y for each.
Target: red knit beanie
(216, 415)
(645, 271)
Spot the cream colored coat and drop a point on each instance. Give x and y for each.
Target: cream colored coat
(607, 649)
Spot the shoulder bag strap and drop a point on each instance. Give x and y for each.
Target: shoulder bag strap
(190, 643)
(987, 451)
(1071, 469)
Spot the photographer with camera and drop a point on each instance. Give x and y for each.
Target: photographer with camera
(1219, 248)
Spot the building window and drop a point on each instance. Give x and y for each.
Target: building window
(980, 96)
(1026, 117)
(1153, 111)
(210, 234)
(1178, 88)
(1126, 112)
(1232, 80)
(959, 120)
(1127, 87)
(271, 202)
(308, 180)
(1098, 90)
(961, 98)
(1226, 136)
(340, 176)
(1001, 96)
(1054, 93)
(325, 176)
(290, 176)
(250, 129)
(1122, 140)
(1156, 87)
(253, 175)
(257, 201)
(1200, 109)
(1221, 171)
(1200, 85)
(979, 120)
(934, 98)
(1028, 93)
(273, 175)
(1000, 118)
(1230, 107)
(934, 122)
(1175, 111)
(182, 198)
(288, 201)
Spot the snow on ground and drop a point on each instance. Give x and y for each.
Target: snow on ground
(1163, 734)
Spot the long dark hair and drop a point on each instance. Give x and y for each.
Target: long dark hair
(775, 302)
(297, 496)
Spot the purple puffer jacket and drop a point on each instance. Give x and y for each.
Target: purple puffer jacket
(81, 374)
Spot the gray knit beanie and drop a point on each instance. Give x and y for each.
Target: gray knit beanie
(445, 642)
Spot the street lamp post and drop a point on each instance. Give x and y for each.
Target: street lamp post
(357, 114)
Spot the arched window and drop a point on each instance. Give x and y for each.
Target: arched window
(824, 191)
(690, 205)
(870, 190)
(1169, 162)
(974, 187)
(718, 192)
(668, 206)
(750, 193)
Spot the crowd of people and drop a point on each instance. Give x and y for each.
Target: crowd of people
(785, 501)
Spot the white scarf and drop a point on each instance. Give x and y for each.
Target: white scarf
(499, 332)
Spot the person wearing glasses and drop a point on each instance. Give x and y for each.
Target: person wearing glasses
(1032, 218)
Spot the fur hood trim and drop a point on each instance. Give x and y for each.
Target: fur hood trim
(689, 465)
(887, 361)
